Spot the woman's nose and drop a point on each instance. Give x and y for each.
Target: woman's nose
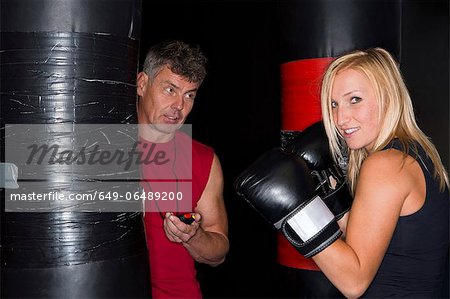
(342, 115)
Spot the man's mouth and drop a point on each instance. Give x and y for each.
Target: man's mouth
(172, 119)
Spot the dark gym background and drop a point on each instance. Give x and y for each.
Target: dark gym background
(237, 110)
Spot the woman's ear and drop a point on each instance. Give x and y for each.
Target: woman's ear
(141, 83)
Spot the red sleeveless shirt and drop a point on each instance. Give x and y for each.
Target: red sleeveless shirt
(173, 273)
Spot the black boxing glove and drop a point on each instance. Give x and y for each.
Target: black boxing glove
(312, 146)
(279, 186)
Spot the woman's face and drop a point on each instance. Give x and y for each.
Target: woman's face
(355, 109)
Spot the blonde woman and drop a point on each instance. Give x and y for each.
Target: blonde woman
(397, 235)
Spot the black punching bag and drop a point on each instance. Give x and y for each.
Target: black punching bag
(312, 34)
(70, 62)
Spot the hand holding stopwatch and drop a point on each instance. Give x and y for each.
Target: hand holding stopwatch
(187, 218)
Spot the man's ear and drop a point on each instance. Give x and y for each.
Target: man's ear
(141, 83)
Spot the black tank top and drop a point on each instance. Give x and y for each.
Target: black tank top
(416, 259)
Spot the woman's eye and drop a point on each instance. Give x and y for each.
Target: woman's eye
(355, 100)
(333, 104)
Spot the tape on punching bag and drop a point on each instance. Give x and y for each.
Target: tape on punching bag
(70, 62)
(312, 32)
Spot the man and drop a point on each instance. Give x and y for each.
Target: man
(167, 86)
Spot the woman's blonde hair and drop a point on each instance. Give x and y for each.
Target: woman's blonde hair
(395, 111)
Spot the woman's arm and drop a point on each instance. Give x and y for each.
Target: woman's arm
(384, 183)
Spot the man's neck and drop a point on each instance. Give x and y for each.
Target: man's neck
(152, 134)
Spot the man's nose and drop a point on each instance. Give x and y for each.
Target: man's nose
(178, 103)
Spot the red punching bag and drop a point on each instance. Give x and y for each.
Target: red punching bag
(312, 33)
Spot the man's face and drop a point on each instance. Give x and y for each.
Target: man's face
(166, 100)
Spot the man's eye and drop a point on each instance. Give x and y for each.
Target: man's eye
(169, 89)
(355, 100)
(333, 104)
(190, 96)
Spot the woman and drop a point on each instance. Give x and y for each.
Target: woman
(397, 235)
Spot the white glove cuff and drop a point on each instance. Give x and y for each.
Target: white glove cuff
(311, 219)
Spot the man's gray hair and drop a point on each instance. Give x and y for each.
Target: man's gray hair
(181, 58)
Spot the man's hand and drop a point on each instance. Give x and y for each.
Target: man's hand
(179, 232)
